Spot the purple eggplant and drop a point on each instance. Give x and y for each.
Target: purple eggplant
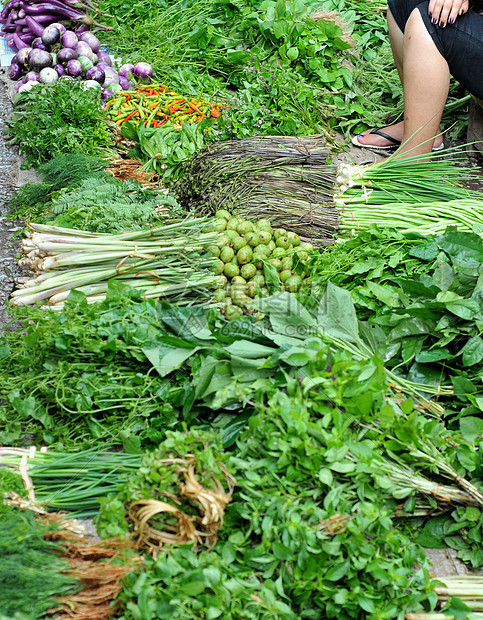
(60, 27)
(38, 44)
(73, 68)
(50, 35)
(48, 76)
(20, 82)
(26, 86)
(91, 40)
(31, 76)
(19, 44)
(38, 59)
(59, 9)
(65, 54)
(22, 55)
(27, 37)
(82, 28)
(104, 57)
(142, 70)
(126, 69)
(69, 39)
(103, 65)
(15, 71)
(34, 25)
(106, 93)
(124, 82)
(95, 74)
(112, 77)
(60, 70)
(83, 49)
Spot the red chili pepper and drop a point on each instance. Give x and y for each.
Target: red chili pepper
(128, 118)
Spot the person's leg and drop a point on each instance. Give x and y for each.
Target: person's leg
(396, 38)
(426, 84)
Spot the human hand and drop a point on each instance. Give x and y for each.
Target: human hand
(443, 12)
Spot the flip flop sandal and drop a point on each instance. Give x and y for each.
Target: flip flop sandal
(377, 131)
(390, 147)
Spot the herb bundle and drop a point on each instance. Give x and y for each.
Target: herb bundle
(32, 575)
(63, 118)
(167, 261)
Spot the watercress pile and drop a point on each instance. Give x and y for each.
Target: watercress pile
(425, 296)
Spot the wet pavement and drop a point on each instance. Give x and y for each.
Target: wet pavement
(8, 178)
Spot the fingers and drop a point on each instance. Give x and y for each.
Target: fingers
(444, 12)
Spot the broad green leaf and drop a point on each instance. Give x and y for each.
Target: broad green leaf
(457, 609)
(343, 467)
(287, 315)
(373, 336)
(296, 357)
(249, 349)
(337, 572)
(411, 327)
(443, 276)
(336, 315)
(166, 360)
(272, 279)
(471, 428)
(464, 246)
(472, 352)
(433, 355)
(205, 374)
(326, 477)
(386, 294)
(433, 533)
(427, 251)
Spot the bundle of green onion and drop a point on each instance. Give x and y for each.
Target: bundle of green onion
(70, 481)
(164, 262)
(412, 195)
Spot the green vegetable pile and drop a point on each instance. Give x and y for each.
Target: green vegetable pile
(63, 118)
(281, 428)
(32, 575)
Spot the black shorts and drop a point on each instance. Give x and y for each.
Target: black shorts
(460, 44)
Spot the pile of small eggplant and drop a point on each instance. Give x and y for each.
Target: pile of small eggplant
(46, 53)
(23, 20)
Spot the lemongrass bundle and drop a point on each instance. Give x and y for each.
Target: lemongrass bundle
(169, 261)
(467, 588)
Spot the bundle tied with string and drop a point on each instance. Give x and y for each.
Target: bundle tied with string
(286, 179)
(419, 194)
(193, 514)
(169, 262)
